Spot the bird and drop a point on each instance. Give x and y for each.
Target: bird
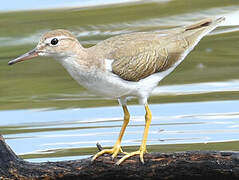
(123, 66)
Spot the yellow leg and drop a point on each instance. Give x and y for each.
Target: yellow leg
(142, 150)
(117, 148)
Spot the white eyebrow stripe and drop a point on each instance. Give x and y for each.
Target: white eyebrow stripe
(48, 40)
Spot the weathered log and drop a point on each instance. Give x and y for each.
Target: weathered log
(183, 165)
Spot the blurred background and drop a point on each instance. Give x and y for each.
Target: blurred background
(46, 116)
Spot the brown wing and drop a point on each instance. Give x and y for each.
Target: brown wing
(141, 58)
(138, 55)
(141, 55)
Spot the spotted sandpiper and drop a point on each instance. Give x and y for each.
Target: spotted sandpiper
(128, 65)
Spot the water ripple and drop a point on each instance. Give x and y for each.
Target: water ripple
(231, 13)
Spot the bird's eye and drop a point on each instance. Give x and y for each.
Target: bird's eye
(54, 41)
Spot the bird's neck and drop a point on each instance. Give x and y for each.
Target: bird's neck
(80, 60)
(80, 68)
(73, 60)
(74, 53)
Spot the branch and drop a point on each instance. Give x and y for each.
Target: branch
(183, 165)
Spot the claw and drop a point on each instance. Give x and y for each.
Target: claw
(139, 152)
(114, 151)
(101, 153)
(141, 156)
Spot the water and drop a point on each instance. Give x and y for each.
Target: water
(45, 115)
(51, 131)
(15, 5)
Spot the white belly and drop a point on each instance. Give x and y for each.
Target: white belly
(108, 84)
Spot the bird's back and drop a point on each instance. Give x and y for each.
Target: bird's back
(137, 55)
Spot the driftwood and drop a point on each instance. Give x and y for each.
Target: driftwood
(184, 165)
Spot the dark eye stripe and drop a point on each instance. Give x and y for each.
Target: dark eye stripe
(54, 41)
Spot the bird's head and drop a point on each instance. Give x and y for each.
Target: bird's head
(57, 43)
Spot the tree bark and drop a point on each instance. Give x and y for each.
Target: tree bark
(182, 165)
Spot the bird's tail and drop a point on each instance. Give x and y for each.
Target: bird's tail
(194, 33)
(205, 23)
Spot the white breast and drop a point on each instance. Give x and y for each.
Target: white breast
(109, 84)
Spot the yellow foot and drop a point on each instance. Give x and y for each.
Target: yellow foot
(139, 152)
(114, 151)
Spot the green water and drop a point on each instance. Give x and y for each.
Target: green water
(43, 83)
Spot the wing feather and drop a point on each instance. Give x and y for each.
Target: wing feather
(139, 60)
(138, 55)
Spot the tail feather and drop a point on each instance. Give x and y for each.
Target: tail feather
(205, 23)
(193, 33)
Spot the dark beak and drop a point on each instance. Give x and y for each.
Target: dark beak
(29, 55)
